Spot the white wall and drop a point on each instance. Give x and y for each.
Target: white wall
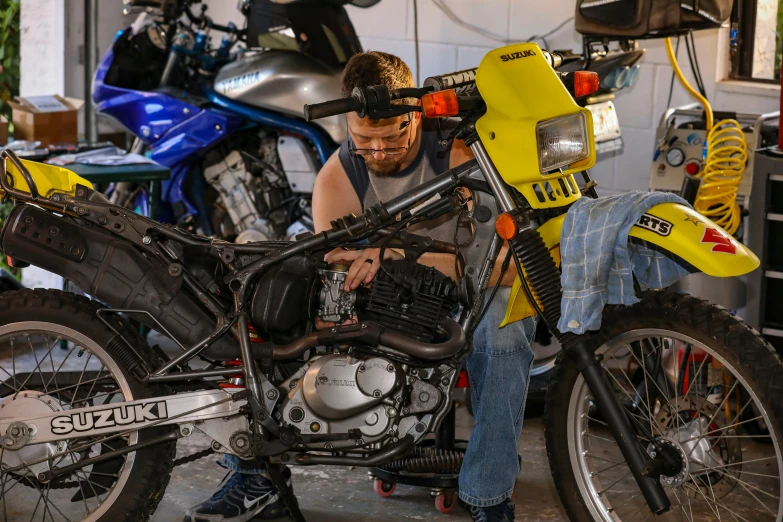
(445, 47)
(52, 41)
(42, 47)
(49, 66)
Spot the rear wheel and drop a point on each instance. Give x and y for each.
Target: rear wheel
(700, 382)
(55, 355)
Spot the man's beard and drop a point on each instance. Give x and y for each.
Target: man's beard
(385, 167)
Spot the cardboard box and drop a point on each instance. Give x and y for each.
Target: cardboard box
(3, 130)
(48, 119)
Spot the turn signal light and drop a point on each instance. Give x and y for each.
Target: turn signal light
(440, 104)
(585, 83)
(506, 226)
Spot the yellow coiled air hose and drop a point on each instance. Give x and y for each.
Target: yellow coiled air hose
(724, 165)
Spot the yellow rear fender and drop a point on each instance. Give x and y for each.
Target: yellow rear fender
(697, 240)
(673, 228)
(49, 179)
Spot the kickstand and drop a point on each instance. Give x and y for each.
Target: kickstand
(286, 493)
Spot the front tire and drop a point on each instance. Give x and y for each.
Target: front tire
(56, 353)
(727, 474)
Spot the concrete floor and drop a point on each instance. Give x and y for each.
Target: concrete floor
(337, 494)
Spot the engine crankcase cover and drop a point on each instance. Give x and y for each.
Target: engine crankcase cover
(339, 386)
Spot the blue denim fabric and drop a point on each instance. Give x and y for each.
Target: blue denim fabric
(247, 467)
(499, 372)
(598, 263)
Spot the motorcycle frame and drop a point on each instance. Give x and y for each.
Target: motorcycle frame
(348, 229)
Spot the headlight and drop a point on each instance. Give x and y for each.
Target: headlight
(561, 141)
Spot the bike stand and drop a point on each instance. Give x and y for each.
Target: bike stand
(286, 493)
(434, 465)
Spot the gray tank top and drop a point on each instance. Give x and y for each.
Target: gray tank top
(431, 160)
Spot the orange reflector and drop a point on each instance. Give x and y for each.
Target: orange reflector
(440, 104)
(506, 226)
(585, 82)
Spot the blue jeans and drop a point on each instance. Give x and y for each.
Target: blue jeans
(499, 371)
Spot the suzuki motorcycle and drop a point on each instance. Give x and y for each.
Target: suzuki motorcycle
(646, 415)
(227, 123)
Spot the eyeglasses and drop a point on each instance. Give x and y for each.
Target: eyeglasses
(388, 151)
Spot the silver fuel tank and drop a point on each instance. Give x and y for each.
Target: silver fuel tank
(283, 81)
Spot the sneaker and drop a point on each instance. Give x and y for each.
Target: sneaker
(242, 498)
(503, 512)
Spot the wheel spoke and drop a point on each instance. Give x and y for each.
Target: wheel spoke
(679, 502)
(649, 413)
(613, 484)
(700, 492)
(37, 367)
(81, 377)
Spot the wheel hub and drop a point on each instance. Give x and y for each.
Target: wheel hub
(27, 404)
(676, 451)
(697, 446)
(696, 427)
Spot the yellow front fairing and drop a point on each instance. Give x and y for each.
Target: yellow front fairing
(49, 179)
(521, 89)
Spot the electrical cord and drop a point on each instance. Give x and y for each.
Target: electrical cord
(416, 39)
(690, 47)
(543, 37)
(671, 83)
(503, 270)
(696, 61)
(725, 160)
(443, 6)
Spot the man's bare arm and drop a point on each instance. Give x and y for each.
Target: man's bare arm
(333, 195)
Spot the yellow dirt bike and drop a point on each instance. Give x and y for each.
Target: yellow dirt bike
(657, 412)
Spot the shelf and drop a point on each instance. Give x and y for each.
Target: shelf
(773, 274)
(775, 332)
(774, 216)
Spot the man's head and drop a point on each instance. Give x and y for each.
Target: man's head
(377, 68)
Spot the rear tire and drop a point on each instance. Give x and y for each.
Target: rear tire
(56, 311)
(745, 354)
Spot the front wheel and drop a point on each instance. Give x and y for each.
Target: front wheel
(699, 380)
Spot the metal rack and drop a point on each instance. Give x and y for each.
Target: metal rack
(765, 238)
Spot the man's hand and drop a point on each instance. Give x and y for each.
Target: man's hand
(365, 264)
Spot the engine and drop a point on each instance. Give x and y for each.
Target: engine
(408, 297)
(355, 398)
(264, 182)
(351, 401)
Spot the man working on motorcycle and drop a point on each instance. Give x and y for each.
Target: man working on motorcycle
(380, 160)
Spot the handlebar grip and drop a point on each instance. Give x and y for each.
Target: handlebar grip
(463, 82)
(331, 108)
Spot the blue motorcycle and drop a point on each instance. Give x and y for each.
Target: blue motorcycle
(227, 119)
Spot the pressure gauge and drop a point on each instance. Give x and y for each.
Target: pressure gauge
(675, 157)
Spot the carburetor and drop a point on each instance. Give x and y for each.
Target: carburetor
(335, 305)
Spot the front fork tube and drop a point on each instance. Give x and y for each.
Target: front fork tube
(617, 419)
(581, 352)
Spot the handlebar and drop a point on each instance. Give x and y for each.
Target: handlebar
(331, 108)
(207, 21)
(375, 101)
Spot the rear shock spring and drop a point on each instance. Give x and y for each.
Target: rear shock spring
(429, 460)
